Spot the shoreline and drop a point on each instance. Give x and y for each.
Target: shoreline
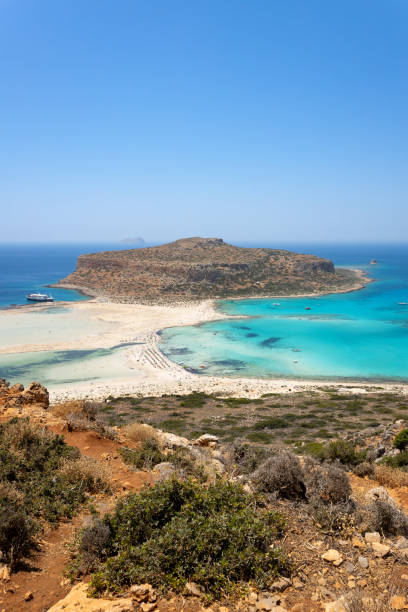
(150, 371)
(360, 282)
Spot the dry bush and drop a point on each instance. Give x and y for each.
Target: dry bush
(81, 408)
(364, 469)
(326, 482)
(64, 409)
(341, 519)
(93, 544)
(282, 475)
(88, 470)
(78, 422)
(10, 492)
(358, 600)
(390, 477)
(140, 432)
(20, 434)
(387, 518)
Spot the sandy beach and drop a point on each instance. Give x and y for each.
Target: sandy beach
(150, 372)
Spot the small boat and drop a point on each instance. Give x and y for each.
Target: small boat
(308, 308)
(276, 304)
(373, 262)
(403, 303)
(39, 297)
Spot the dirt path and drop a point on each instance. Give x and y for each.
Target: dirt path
(43, 576)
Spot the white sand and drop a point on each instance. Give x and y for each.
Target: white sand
(150, 372)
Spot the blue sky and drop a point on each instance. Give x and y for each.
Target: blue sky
(249, 120)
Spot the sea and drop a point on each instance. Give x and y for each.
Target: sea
(356, 336)
(28, 268)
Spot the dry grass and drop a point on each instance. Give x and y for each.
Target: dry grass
(87, 469)
(390, 477)
(63, 409)
(140, 432)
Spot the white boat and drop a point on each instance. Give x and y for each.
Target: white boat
(39, 297)
(403, 303)
(275, 304)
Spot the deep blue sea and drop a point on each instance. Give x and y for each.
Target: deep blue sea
(28, 268)
(362, 335)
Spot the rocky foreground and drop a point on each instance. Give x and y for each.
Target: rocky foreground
(199, 268)
(342, 545)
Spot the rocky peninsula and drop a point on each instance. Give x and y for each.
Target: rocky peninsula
(205, 268)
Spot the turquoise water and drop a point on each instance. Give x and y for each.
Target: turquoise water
(358, 336)
(53, 368)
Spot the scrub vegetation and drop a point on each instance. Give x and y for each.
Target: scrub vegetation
(42, 479)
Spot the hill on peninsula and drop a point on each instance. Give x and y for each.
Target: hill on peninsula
(199, 268)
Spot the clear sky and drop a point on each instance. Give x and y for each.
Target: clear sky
(244, 119)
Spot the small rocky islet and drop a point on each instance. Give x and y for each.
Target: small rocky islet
(202, 268)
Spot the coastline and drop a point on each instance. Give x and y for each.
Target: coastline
(361, 280)
(150, 371)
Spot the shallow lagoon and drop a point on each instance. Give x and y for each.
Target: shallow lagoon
(39, 325)
(358, 335)
(53, 368)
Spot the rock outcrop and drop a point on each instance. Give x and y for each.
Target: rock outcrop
(78, 600)
(197, 268)
(16, 397)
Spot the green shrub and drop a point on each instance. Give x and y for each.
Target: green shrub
(176, 532)
(41, 478)
(145, 457)
(401, 440)
(260, 436)
(271, 423)
(337, 450)
(398, 461)
(149, 455)
(196, 399)
(17, 528)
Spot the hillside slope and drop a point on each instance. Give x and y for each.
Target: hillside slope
(198, 268)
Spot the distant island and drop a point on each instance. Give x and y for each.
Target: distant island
(200, 268)
(139, 242)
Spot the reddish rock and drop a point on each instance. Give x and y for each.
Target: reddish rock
(35, 395)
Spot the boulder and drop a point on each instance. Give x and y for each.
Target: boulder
(401, 543)
(333, 556)
(78, 600)
(164, 470)
(267, 603)
(142, 593)
(206, 440)
(170, 440)
(372, 536)
(379, 494)
(193, 589)
(336, 606)
(380, 550)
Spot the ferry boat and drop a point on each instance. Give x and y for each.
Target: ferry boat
(39, 297)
